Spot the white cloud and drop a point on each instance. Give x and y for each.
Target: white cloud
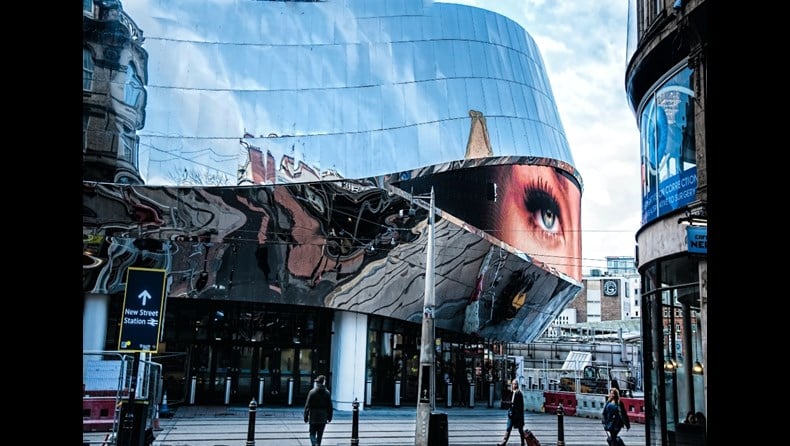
(583, 48)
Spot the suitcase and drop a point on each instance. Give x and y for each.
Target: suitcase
(531, 439)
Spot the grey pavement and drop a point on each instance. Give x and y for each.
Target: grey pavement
(378, 426)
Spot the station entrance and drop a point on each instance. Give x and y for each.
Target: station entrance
(237, 351)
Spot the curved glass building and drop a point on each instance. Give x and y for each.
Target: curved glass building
(288, 153)
(354, 87)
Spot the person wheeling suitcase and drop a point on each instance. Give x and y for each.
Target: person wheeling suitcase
(615, 418)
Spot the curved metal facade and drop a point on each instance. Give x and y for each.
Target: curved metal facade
(345, 245)
(352, 87)
(329, 116)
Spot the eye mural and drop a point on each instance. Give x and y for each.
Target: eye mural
(350, 245)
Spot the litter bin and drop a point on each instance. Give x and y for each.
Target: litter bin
(437, 430)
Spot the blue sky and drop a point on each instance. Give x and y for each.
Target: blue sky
(583, 44)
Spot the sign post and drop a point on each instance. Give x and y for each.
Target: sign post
(141, 322)
(142, 316)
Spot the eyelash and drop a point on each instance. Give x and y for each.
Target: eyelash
(540, 200)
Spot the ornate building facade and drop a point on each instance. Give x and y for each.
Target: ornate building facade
(667, 86)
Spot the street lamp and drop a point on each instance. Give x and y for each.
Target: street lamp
(426, 390)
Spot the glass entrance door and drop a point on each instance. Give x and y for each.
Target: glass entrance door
(246, 383)
(292, 377)
(210, 367)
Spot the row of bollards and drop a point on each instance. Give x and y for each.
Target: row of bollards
(355, 424)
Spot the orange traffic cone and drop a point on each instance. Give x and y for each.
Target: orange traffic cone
(156, 421)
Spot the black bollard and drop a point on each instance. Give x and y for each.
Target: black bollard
(251, 425)
(560, 427)
(355, 423)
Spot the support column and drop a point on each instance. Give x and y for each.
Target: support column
(348, 382)
(94, 321)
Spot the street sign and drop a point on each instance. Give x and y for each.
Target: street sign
(142, 312)
(697, 237)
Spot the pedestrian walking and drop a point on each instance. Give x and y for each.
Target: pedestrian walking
(515, 415)
(615, 418)
(461, 385)
(318, 410)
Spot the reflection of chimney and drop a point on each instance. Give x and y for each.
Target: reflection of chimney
(269, 174)
(478, 145)
(256, 162)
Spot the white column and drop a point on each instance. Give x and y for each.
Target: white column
(349, 348)
(94, 321)
(94, 326)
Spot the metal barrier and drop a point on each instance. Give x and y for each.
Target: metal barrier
(107, 380)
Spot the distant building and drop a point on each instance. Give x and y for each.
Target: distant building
(606, 296)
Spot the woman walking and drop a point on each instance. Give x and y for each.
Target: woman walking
(614, 418)
(515, 416)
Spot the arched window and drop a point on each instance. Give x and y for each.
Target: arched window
(87, 70)
(133, 88)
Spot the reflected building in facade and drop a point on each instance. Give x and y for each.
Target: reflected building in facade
(287, 152)
(113, 92)
(667, 81)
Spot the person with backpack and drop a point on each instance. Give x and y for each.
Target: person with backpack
(615, 418)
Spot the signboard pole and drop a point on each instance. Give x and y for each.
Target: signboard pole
(141, 321)
(128, 434)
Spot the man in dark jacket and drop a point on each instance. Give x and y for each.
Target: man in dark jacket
(318, 410)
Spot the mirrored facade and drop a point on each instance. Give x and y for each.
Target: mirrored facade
(287, 153)
(350, 88)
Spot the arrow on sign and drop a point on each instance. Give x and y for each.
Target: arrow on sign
(144, 296)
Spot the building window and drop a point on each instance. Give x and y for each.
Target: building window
(86, 119)
(87, 7)
(129, 148)
(87, 70)
(133, 88)
(668, 149)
